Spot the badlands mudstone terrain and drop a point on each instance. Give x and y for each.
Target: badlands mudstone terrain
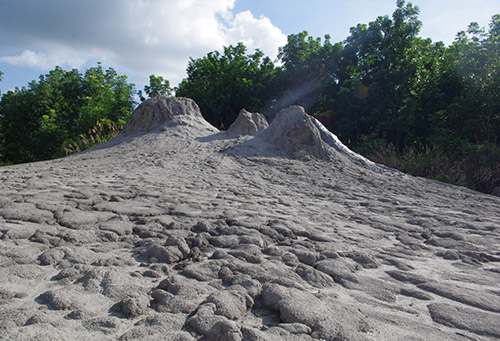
(176, 231)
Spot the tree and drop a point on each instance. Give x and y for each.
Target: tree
(108, 96)
(36, 121)
(18, 126)
(380, 68)
(308, 67)
(223, 84)
(157, 87)
(394, 88)
(474, 114)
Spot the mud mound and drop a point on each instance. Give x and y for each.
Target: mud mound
(294, 132)
(161, 112)
(296, 135)
(248, 123)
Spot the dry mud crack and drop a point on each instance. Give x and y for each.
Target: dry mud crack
(185, 233)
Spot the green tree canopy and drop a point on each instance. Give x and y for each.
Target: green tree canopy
(380, 66)
(473, 62)
(36, 120)
(223, 84)
(157, 87)
(308, 67)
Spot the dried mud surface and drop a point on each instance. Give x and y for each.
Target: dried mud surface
(189, 234)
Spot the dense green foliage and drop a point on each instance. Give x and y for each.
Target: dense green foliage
(157, 87)
(37, 122)
(385, 91)
(222, 84)
(99, 134)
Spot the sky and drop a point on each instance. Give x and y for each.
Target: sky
(142, 37)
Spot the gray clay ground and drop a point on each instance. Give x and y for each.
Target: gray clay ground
(187, 233)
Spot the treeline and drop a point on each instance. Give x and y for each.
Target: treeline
(402, 100)
(57, 112)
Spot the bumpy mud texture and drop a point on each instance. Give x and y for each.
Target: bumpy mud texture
(175, 231)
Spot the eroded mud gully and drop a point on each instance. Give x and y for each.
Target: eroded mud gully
(183, 233)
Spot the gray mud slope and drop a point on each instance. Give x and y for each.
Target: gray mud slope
(184, 233)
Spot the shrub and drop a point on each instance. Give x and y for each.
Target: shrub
(477, 168)
(102, 132)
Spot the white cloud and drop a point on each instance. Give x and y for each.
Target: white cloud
(45, 61)
(256, 33)
(27, 58)
(139, 37)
